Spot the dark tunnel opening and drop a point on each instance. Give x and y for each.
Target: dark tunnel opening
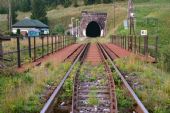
(93, 29)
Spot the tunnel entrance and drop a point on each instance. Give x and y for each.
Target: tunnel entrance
(93, 29)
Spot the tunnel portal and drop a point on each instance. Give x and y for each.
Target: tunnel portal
(93, 29)
(93, 24)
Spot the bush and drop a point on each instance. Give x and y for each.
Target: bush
(3, 10)
(59, 29)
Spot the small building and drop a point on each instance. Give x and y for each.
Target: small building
(28, 24)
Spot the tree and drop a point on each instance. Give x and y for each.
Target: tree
(89, 2)
(39, 11)
(75, 3)
(98, 1)
(13, 13)
(66, 3)
(85, 2)
(25, 5)
(59, 29)
(107, 1)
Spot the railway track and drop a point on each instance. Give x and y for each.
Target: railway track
(93, 92)
(84, 90)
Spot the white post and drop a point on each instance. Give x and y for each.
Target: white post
(77, 27)
(72, 25)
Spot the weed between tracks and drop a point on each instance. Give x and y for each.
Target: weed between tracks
(23, 93)
(66, 93)
(151, 84)
(97, 77)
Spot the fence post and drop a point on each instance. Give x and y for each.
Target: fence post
(42, 46)
(139, 44)
(34, 49)
(156, 49)
(29, 46)
(47, 45)
(123, 42)
(1, 51)
(18, 51)
(52, 44)
(59, 42)
(63, 42)
(135, 45)
(55, 43)
(145, 45)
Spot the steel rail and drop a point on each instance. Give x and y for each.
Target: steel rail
(48, 105)
(113, 108)
(75, 88)
(140, 104)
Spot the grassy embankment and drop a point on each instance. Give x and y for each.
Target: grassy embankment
(152, 85)
(159, 11)
(22, 93)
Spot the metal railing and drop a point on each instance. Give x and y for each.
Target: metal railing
(20, 50)
(137, 44)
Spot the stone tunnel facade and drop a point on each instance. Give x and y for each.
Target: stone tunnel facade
(93, 24)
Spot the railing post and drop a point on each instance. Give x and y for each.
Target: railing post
(1, 51)
(42, 46)
(59, 42)
(55, 43)
(145, 45)
(34, 49)
(63, 42)
(18, 51)
(29, 46)
(156, 49)
(52, 44)
(139, 44)
(135, 45)
(47, 45)
(125, 42)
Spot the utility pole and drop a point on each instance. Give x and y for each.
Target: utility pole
(9, 16)
(114, 13)
(131, 16)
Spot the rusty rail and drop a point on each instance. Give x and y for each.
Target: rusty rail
(49, 104)
(112, 99)
(138, 101)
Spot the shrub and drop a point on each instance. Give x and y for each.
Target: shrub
(59, 29)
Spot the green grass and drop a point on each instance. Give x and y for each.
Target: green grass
(154, 10)
(93, 100)
(20, 93)
(152, 84)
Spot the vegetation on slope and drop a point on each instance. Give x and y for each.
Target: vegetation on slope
(154, 17)
(152, 85)
(23, 93)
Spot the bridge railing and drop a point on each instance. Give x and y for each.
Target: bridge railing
(20, 50)
(144, 45)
